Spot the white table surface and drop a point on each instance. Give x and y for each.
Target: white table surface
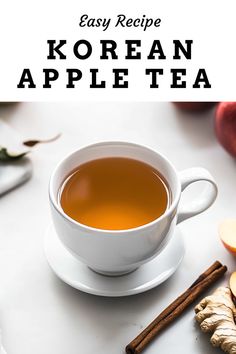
(39, 314)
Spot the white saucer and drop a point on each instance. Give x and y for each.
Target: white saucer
(79, 276)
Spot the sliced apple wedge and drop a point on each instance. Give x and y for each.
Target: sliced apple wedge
(232, 283)
(227, 232)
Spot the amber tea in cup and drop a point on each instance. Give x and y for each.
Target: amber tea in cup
(114, 193)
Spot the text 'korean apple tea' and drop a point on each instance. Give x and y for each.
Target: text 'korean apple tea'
(114, 193)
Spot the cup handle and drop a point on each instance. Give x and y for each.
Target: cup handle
(204, 200)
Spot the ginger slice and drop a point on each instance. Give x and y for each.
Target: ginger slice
(216, 313)
(232, 284)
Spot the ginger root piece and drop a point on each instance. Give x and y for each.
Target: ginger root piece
(216, 313)
(232, 283)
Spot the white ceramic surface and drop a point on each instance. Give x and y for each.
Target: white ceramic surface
(116, 252)
(2, 350)
(13, 173)
(78, 275)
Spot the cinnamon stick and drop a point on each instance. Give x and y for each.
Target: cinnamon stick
(172, 306)
(208, 271)
(213, 273)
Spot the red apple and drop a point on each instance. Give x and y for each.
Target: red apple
(225, 126)
(194, 106)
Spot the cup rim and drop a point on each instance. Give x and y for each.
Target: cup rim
(91, 229)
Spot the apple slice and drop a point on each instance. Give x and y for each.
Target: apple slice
(227, 231)
(232, 283)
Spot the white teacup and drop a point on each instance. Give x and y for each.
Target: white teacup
(118, 252)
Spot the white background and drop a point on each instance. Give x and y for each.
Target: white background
(38, 312)
(25, 27)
